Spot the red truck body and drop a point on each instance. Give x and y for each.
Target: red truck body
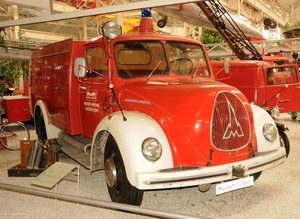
(146, 108)
(54, 84)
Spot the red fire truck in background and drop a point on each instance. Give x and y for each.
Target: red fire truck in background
(267, 81)
(146, 108)
(271, 83)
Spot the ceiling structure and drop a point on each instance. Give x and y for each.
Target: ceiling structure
(288, 3)
(47, 21)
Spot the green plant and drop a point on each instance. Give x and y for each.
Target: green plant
(2, 90)
(3, 43)
(209, 37)
(12, 70)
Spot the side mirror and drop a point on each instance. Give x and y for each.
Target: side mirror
(226, 66)
(79, 67)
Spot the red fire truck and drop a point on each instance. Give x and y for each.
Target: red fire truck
(267, 81)
(266, 84)
(146, 108)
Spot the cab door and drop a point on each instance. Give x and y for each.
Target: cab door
(282, 88)
(93, 89)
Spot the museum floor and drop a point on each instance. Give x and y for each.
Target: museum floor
(274, 195)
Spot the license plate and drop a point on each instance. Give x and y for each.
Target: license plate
(234, 185)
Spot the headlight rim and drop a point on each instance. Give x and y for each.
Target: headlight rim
(270, 132)
(144, 149)
(275, 112)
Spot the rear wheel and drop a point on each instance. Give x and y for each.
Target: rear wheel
(12, 134)
(119, 188)
(294, 115)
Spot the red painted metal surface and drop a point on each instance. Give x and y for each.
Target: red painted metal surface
(17, 108)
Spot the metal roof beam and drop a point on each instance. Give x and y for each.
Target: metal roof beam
(94, 11)
(44, 6)
(61, 7)
(270, 12)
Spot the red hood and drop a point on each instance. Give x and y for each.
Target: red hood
(183, 108)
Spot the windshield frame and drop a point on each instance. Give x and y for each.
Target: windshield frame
(154, 58)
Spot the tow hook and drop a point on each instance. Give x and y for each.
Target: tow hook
(239, 171)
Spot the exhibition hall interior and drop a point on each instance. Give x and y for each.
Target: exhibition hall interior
(149, 109)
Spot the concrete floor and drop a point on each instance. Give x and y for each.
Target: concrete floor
(274, 195)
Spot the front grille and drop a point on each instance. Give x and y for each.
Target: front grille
(230, 123)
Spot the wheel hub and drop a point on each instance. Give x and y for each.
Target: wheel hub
(204, 187)
(110, 172)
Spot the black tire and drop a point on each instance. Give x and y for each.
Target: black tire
(13, 132)
(256, 176)
(119, 188)
(40, 125)
(294, 115)
(284, 142)
(161, 23)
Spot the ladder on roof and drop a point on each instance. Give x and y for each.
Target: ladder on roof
(236, 39)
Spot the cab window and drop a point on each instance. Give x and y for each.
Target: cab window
(187, 59)
(136, 59)
(281, 75)
(96, 62)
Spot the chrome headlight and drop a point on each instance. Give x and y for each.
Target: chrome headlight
(111, 30)
(275, 112)
(270, 132)
(151, 149)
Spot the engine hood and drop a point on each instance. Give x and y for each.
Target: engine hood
(173, 98)
(184, 109)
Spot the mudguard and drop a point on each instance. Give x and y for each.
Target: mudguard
(261, 117)
(130, 135)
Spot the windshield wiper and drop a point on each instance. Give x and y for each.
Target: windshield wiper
(153, 70)
(196, 70)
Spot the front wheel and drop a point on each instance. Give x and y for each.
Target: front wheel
(294, 115)
(11, 135)
(119, 188)
(284, 142)
(256, 176)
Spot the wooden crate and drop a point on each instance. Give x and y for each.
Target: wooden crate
(25, 146)
(21, 169)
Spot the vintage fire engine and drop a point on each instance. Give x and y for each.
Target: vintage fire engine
(146, 108)
(268, 83)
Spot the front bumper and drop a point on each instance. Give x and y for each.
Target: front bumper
(184, 177)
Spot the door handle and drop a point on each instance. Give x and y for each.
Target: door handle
(283, 101)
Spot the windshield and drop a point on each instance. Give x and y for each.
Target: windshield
(187, 59)
(146, 59)
(283, 74)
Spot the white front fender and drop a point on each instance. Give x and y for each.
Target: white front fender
(261, 117)
(129, 136)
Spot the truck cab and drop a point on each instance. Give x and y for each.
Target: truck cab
(146, 109)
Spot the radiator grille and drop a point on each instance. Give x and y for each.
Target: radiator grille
(230, 123)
